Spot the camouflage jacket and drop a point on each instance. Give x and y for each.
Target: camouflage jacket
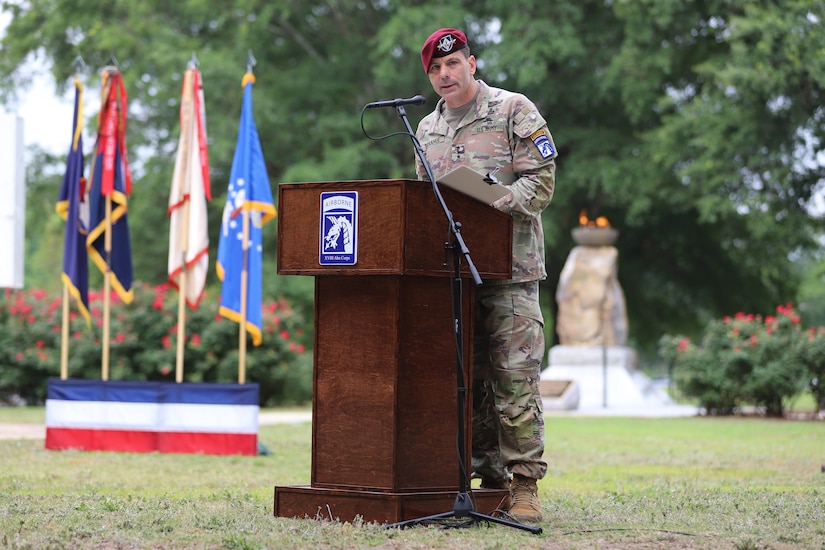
(505, 135)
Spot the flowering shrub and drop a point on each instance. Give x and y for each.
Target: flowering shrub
(143, 344)
(748, 359)
(813, 357)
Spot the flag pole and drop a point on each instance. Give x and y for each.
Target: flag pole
(244, 291)
(70, 214)
(107, 288)
(64, 335)
(185, 122)
(182, 298)
(250, 62)
(111, 183)
(240, 246)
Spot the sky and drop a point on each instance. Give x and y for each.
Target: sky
(47, 117)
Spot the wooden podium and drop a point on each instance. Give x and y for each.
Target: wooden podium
(384, 402)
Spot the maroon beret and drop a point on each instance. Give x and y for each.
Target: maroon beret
(440, 43)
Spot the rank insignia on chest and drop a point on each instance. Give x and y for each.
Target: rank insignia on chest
(541, 139)
(458, 152)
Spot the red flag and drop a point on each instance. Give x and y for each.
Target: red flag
(110, 176)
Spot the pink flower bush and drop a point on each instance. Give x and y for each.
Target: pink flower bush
(143, 343)
(748, 359)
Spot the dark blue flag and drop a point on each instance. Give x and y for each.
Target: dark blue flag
(71, 208)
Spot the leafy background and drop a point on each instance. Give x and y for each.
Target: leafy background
(695, 127)
(143, 345)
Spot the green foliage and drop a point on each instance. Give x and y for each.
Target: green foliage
(813, 357)
(748, 359)
(143, 344)
(694, 127)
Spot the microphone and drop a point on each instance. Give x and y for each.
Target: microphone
(417, 100)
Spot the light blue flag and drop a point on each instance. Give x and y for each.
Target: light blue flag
(248, 195)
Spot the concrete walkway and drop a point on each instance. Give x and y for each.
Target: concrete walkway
(284, 417)
(642, 411)
(38, 431)
(22, 431)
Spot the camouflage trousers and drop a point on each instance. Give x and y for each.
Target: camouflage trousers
(508, 347)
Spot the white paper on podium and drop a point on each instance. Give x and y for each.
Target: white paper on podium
(468, 181)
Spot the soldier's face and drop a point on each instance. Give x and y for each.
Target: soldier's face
(452, 78)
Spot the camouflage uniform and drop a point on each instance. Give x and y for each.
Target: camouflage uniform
(504, 134)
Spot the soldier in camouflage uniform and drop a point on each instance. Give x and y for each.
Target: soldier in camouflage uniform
(494, 131)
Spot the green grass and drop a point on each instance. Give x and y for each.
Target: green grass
(23, 415)
(739, 483)
(804, 402)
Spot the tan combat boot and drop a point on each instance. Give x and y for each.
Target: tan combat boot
(524, 499)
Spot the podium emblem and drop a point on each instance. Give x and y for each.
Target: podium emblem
(339, 228)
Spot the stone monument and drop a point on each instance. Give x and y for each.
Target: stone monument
(591, 302)
(592, 327)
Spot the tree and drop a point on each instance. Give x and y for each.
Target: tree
(306, 99)
(693, 126)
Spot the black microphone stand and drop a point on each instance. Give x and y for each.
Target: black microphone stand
(463, 506)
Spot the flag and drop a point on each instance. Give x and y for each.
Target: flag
(70, 207)
(141, 416)
(248, 192)
(111, 177)
(190, 189)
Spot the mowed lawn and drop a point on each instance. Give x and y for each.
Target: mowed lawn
(701, 482)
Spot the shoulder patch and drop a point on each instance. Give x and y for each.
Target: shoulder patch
(541, 139)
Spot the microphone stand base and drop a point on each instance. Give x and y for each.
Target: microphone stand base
(463, 515)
